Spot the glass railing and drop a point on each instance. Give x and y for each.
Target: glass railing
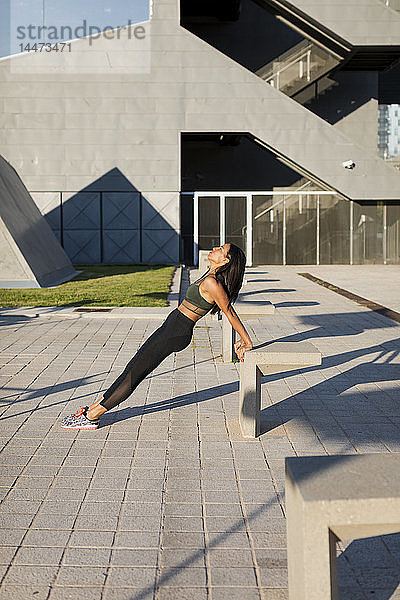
(300, 66)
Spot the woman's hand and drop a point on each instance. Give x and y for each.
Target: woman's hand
(241, 347)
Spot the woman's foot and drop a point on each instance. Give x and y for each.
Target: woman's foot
(79, 420)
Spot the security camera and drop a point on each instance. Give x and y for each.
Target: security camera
(348, 164)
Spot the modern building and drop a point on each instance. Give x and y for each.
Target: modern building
(254, 121)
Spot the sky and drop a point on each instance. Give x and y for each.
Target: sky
(20, 14)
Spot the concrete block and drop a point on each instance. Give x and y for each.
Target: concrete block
(245, 310)
(277, 357)
(331, 498)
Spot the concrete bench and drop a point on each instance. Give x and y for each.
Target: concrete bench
(331, 498)
(203, 260)
(274, 358)
(245, 310)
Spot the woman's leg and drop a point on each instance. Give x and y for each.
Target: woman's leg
(174, 335)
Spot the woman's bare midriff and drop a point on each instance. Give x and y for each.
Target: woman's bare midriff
(188, 313)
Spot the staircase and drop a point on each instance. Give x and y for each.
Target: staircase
(299, 67)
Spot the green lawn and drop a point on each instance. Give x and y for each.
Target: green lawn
(100, 285)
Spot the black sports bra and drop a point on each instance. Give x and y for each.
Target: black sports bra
(194, 297)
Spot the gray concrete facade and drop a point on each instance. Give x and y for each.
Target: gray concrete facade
(85, 122)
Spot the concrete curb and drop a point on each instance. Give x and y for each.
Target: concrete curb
(100, 312)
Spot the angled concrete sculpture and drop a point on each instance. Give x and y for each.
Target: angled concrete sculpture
(30, 254)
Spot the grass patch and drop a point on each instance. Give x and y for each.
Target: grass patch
(100, 285)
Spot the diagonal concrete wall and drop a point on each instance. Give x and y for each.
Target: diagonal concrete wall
(30, 255)
(359, 22)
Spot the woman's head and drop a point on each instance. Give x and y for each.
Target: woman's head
(230, 263)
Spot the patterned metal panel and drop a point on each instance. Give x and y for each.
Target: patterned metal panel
(49, 205)
(160, 246)
(121, 210)
(121, 246)
(82, 246)
(81, 211)
(160, 212)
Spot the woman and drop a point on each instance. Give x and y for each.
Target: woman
(214, 291)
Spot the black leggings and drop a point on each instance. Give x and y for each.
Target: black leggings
(174, 335)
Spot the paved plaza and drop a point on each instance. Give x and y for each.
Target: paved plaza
(166, 500)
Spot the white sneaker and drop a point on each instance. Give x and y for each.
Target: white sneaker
(79, 420)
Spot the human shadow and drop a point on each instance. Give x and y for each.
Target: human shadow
(260, 280)
(335, 395)
(45, 392)
(266, 291)
(179, 401)
(294, 304)
(374, 563)
(11, 319)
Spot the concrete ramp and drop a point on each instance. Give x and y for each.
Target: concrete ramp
(30, 254)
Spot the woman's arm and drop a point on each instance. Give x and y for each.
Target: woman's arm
(218, 294)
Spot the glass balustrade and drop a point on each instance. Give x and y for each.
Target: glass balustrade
(301, 225)
(300, 66)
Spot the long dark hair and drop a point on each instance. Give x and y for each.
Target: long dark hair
(231, 274)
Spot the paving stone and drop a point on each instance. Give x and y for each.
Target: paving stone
(7, 553)
(128, 593)
(87, 556)
(228, 540)
(92, 539)
(137, 539)
(94, 576)
(183, 593)
(139, 523)
(183, 509)
(38, 556)
(91, 523)
(139, 577)
(179, 577)
(30, 575)
(17, 592)
(183, 523)
(134, 557)
(275, 594)
(182, 539)
(230, 558)
(273, 577)
(174, 557)
(139, 509)
(72, 593)
(233, 576)
(17, 520)
(11, 537)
